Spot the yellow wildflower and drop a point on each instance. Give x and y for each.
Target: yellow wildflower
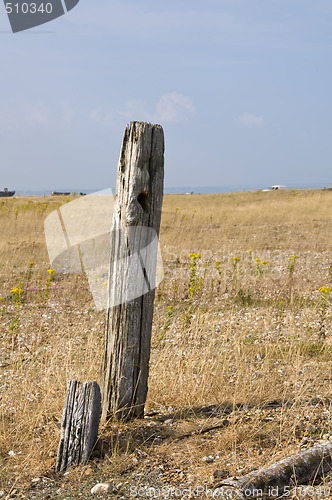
(194, 256)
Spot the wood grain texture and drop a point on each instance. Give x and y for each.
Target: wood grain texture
(80, 422)
(135, 228)
(280, 477)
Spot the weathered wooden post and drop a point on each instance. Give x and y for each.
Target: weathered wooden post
(80, 422)
(134, 244)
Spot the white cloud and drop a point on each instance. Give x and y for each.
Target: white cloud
(37, 114)
(170, 108)
(67, 111)
(249, 120)
(23, 115)
(135, 109)
(173, 107)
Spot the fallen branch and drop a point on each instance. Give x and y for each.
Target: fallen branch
(280, 477)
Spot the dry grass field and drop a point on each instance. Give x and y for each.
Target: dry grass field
(240, 371)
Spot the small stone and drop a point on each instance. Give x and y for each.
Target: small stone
(102, 488)
(326, 437)
(168, 421)
(208, 459)
(2, 494)
(141, 453)
(220, 474)
(35, 480)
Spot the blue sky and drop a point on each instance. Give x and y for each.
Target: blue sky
(241, 87)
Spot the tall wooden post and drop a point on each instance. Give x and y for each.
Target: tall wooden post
(134, 244)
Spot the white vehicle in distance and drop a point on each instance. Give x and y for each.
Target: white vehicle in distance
(274, 188)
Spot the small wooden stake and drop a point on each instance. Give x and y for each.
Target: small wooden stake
(135, 228)
(80, 422)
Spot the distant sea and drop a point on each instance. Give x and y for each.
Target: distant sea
(180, 189)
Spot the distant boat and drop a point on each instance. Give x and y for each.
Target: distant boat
(6, 193)
(58, 193)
